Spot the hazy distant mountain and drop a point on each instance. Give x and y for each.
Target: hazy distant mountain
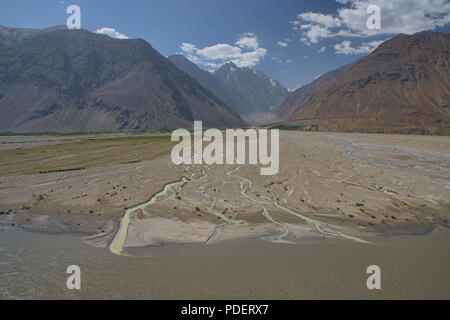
(261, 93)
(68, 80)
(10, 36)
(300, 97)
(403, 86)
(230, 97)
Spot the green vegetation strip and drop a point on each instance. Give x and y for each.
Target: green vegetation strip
(312, 127)
(79, 133)
(79, 155)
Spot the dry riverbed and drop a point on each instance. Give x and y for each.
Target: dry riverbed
(330, 185)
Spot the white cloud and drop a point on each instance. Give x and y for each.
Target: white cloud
(319, 18)
(248, 41)
(322, 49)
(314, 33)
(221, 51)
(245, 53)
(212, 65)
(188, 47)
(250, 59)
(399, 16)
(345, 47)
(111, 32)
(193, 58)
(282, 44)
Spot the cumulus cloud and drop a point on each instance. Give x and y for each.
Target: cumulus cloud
(244, 53)
(350, 20)
(322, 49)
(345, 47)
(188, 47)
(111, 32)
(313, 33)
(400, 16)
(248, 40)
(282, 44)
(222, 51)
(323, 19)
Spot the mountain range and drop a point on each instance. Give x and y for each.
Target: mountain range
(403, 86)
(56, 79)
(244, 90)
(260, 93)
(75, 80)
(230, 97)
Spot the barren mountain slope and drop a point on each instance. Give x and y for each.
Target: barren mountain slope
(402, 87)
(74, 80)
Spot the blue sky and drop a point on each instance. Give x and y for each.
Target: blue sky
(293, 41)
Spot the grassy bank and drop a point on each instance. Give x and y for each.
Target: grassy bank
(80, 155)
(80, 133)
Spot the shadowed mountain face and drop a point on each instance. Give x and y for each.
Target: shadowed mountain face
(230, 97)
(261, 93)
(402, 87)
(74, 80)
(300, 97)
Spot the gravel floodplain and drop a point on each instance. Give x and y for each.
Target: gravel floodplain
(330, 185)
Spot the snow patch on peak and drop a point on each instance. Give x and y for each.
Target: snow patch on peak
(273, 82)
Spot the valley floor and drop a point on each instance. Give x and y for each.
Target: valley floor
(330, 185)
